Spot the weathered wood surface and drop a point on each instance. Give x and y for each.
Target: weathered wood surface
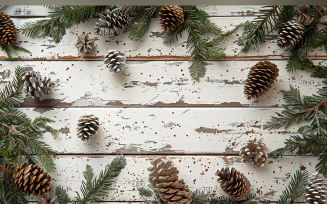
(155, 84)
(212, 10)
(150, 47)
(197, 172)
(205, 131)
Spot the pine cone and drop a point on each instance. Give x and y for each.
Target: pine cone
(260, 78)
(32, 180)
(8, 31)
(47, 199)
(35, 85)
(110, 22)
(302, 15)
(290, 33)
(234, 183)
(254, 152)
(170, 17)
(85, 43)
(87, 126)
(171, 190)
(115, 61)
(9, 167)
(316, 190)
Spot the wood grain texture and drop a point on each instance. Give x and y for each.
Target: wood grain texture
(150, 47)
(195, 131)
(212, 10)
(156, 84)
(198, 172)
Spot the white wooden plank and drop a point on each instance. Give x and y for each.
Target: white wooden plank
(212, 10)
(197, 172)
(150, 47)
(156, 84)
(163, 130)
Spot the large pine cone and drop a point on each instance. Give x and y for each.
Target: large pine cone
(111, 22)
(260, 78)
(171, 190)
(115, 61)
(302, 15)
(290, 33)
(36, 86)
(254, 152)
(32, 179)
(87, 126)
(8, 31)
(316, 190)
(170, 17)
(85, 43)
(234, 183)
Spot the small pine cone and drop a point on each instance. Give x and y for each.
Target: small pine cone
(36, 86)
(171, 190)
(8, 31)
(290, 33)
(302, 15)
(111, 22)
(316, 190)
(85, 43)
(234, 183)
(115, 61)
(162, 171)
(254, 152)
(87, 126)
(260, 78)
(32, 179)
(170, 17)
(47, 199)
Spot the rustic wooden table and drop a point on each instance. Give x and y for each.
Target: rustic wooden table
(154, 109)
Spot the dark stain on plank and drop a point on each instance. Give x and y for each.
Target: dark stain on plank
(210, 130)
(136, 150)
(29, 102)
(64, 130)
(42, 109)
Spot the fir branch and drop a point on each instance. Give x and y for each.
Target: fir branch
(293, 63)
(321, 39)
(62, 195)
(295, 188)
(145, 192)
(254, 33)
(9, 193)
(92, 189)
(7, 50)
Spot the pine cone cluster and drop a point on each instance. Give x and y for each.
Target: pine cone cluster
(254, 152)
(290, 33)
(85, 43)
(111, 22)
(32, 180)
(171, 190)
(37, 86)
(87, 126)
(260, 78)
(8, 31)
(47, 199)
(170, 17)
(234, 183)
(316, 189)
(302, 15)
(115, 61)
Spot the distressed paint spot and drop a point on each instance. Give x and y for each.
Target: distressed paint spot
(210, 130)
(64, 130)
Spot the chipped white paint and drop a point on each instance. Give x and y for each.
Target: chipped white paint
(197, 172)
(149, 47)
(163, 130)
(212, 10)
(196, 119)
(158, 83)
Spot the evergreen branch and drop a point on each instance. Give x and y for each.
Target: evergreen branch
(318, 71)
(6, 49)
(293, 63)
(21, 49)
(9, 193)
(321, 39)
(91, 190)
(295, 188)
(62, 195)
(145, 192)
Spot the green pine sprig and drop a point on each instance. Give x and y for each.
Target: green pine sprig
(92, 189)
(62, 195)
(295, 188)
(8, 191)
(19, 135)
